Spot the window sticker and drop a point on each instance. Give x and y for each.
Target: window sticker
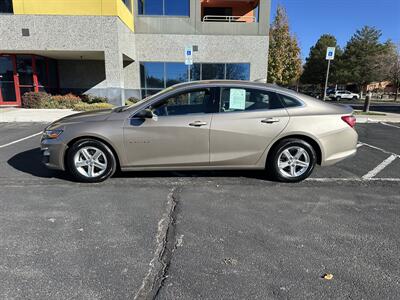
(237, 99)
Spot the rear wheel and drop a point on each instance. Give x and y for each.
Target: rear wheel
(355, 97)
(90, 160)
(292, 160)
(338, 98)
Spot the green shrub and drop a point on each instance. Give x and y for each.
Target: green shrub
(94, 99)
(131, 100)
(63, 101)
(89, 107)
(35, 99)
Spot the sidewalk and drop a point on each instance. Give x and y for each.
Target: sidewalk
(388, 117)
(33, 115)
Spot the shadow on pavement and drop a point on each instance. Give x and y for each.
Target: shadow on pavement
(30, 162)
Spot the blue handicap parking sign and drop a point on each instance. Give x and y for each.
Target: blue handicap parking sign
(188, 53)
(330, 53)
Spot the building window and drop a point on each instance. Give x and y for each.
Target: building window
(128, 4)
(155, 76)
(6, 6)
(164, 7)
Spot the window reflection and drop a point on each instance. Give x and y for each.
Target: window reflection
(164, 7)
(155, 76)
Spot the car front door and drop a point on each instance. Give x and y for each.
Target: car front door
(247, 122)
(177, 135)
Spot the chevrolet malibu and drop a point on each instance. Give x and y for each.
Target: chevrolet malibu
(205, 125)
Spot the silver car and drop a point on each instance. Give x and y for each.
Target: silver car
(205, 125)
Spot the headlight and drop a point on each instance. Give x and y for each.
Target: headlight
(51, 134)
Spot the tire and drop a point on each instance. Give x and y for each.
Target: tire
(278, 158)
(338, 98)
(355, 98)
(85, 167)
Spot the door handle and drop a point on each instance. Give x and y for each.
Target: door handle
(197, 123)
(270, 120)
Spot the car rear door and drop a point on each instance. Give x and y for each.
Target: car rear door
(177, 135)
(248, 121)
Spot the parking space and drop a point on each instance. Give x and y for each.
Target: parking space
(200, 235)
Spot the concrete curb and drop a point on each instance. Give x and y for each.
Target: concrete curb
(8, 115)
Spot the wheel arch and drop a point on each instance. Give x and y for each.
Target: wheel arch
(92, 137)
(312, 141)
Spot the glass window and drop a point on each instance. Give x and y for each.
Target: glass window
(154, 75)
(164, 7)
(193, 102)
(240, 99)
(53, 73)
(176, 7)
(213, 71)
(238, 71)
(176, 73)
(289, 101)
(24, 69)
(195, 72)
(41, 71)
(6, 6)
(128, 4)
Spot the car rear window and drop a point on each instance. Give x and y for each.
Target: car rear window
(289, 101)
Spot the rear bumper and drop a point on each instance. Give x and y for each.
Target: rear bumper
(53, 154)
(339, 146)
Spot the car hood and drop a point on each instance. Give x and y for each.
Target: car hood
(91, 116)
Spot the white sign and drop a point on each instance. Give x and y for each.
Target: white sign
(237, 99)
(189, 55)
(330, 53)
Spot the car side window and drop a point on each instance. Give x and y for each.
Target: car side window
(245, 99)
(290, 101)
(191, 102)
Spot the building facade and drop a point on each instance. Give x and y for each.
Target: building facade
(127, 48)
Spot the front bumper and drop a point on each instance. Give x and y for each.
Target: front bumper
(53, 154)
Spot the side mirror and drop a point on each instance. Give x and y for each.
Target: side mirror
(144, 114)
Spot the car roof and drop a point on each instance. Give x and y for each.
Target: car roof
(244, 83)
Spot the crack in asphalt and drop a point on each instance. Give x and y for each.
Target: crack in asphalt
(165, 245)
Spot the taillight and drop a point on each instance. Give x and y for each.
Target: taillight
(351, 120)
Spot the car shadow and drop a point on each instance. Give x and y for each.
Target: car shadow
(30, 162)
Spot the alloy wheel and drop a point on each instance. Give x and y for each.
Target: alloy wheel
(293, 162)
(90, 161)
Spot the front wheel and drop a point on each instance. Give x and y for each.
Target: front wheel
(90, 160)
(338, 98)
(292, 160)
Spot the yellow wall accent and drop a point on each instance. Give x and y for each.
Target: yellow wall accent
(75, 8)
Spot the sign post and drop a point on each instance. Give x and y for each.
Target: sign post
(330, 55)
(189, 58)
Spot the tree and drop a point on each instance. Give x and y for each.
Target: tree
(361, 58)
(391, 67)
(315, 67)
(284, 63)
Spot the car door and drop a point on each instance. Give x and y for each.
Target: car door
(247, 122)
(177, 135)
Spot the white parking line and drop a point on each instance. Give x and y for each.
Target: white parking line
(379, 167)
(352, 179)
(391, 125)
(20, 140)
(377, 148)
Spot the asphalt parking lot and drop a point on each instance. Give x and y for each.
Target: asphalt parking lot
(200, 235)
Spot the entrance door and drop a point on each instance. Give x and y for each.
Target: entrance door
(25, 70)
(9, 94)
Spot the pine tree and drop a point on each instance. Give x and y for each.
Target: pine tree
(284, 63)
(314, 71)
(362, 58)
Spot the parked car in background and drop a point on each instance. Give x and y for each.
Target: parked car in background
(339, 95)
(205, 125)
